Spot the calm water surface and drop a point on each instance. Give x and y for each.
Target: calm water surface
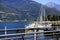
(21, 25)
(13, 24)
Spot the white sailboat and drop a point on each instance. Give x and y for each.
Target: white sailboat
(40, 24)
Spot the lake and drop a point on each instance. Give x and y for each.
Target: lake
(13, 24)
(21, 25)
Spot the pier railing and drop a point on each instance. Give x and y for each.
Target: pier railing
(16, 34)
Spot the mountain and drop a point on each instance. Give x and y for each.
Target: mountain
(53, 5)
(19, 5)
(24, 9)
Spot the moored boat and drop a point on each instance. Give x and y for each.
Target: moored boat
(40, 24)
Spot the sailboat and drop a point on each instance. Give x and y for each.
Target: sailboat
(41, 23)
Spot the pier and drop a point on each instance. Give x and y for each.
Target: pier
(14, 35)
(54, 23)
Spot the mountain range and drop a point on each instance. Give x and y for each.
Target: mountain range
(53, 5)
(24, 9)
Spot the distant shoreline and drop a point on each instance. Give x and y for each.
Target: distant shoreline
(54, 23)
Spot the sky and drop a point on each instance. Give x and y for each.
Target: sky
(46, 1)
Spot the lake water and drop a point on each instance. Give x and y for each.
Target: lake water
(13, 24)
(21, 25)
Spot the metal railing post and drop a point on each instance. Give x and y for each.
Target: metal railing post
(35, 35)
(22, 37)
(5, 32)
(16, 37)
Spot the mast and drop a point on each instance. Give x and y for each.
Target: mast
(41, 15)
(44, 15)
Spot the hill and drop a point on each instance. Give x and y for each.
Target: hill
(24, 9)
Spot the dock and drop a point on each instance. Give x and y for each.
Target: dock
(18, 35)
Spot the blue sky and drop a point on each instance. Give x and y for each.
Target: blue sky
(46, 1)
